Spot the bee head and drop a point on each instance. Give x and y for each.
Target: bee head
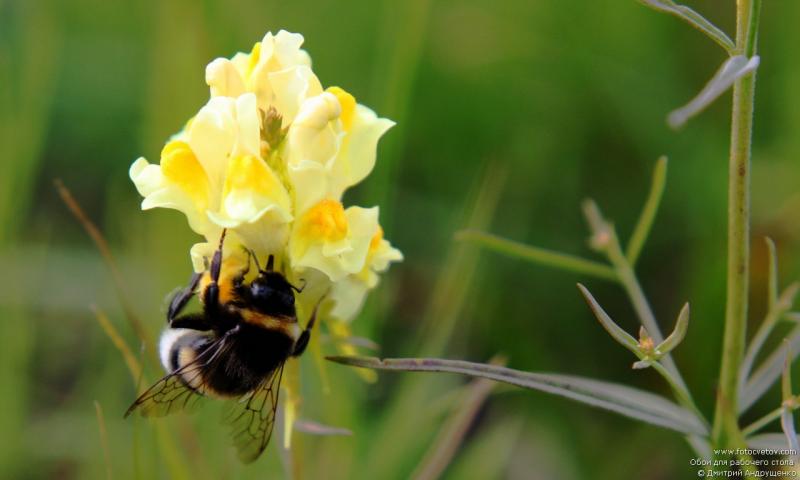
(271, 293)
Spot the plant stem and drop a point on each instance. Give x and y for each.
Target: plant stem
(563, 261)
(726, 433)
(607, 241)
(762, 422)
(681, 392)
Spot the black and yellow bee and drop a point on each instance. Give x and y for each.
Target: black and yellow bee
(235, 348)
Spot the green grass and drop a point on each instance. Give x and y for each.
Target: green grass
(559, 97)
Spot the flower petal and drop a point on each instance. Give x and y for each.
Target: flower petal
(356, 158)
(212, 136)
(224, 79)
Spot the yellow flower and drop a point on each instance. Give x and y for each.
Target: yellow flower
(214, 174)
(331, 145)
(349, 293)
(330, 239)
(276, 70)
(269, 158)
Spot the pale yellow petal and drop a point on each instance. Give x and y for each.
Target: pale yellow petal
(313, 137)
(290, 88)
(212, 136)
(146, 177)
(311, 183)
(332, 240)
(356, 157)
(252, 188)
(348, 297)
(248, 141)
(224, 79)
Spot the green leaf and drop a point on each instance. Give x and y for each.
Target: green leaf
(787, 424)
(694, 19)
(767, 441)
(787, 419)
(677, 335)
(616, 332)
(773, 364)
(627, 401)
(642, 229)
(733, 68)
(769, 371)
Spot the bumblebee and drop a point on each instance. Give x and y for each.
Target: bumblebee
(235, 348)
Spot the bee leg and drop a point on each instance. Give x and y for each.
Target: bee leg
(182, 297)
(193, 321)
(238, 280)
(211, 293)
(302, 341)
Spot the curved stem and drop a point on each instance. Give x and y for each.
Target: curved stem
(681, 392)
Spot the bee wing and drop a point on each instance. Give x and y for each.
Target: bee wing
(252, 417)
(180, 390)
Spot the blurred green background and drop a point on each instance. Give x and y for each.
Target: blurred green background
(562, 100)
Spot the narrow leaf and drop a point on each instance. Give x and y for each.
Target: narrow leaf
(700, 445)
(541, 256)
(677, 335)
(787, 424)
(315, 428)
(733, 68)
(776, 311)
(786, 377)
(642, 364)
(769, 371)
(616, 332)
(768, 441)
(451, 436)
(631, 402)
(787, 419)
(694, 19)
(642, 229)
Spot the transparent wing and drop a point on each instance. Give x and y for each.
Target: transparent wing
(252, 417)
(180, 390)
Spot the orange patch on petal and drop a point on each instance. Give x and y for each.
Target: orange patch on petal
(325, 221)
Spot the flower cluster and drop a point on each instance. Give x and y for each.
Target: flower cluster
(268, 158)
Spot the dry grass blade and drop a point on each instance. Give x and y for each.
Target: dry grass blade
(130, 359)
(452, 433)
(101, 423)
(102, 245)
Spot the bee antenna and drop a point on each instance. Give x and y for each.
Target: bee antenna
(253, 255)
(299, 290)
(270, 263)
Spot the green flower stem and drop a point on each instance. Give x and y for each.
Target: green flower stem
(726, 433)
(681, 392)
(762, 422)
(649, 211)
(605, 239)
(538, 255)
